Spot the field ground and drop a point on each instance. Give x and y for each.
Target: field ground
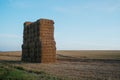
(70, 65)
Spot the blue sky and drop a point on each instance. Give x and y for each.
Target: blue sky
(79, 24)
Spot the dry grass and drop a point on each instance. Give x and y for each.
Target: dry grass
(69, 65)
(92, 54)
(10, 56)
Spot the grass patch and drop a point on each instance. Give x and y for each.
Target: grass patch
(8, 72)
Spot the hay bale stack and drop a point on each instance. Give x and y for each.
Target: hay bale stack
(38, 41)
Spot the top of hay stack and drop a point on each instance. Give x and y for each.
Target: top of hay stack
(40, 21)
(45, 21)
(27, 23)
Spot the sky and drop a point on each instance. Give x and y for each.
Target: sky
(79, 24)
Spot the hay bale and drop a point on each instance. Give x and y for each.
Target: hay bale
(38, 41)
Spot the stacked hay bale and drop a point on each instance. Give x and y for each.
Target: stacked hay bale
(38, 41)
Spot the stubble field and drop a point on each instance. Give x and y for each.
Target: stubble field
(70, 65)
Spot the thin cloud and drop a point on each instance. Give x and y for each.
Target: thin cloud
(103, 6)
(9, 36)
(69, 9)
(20, 4)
